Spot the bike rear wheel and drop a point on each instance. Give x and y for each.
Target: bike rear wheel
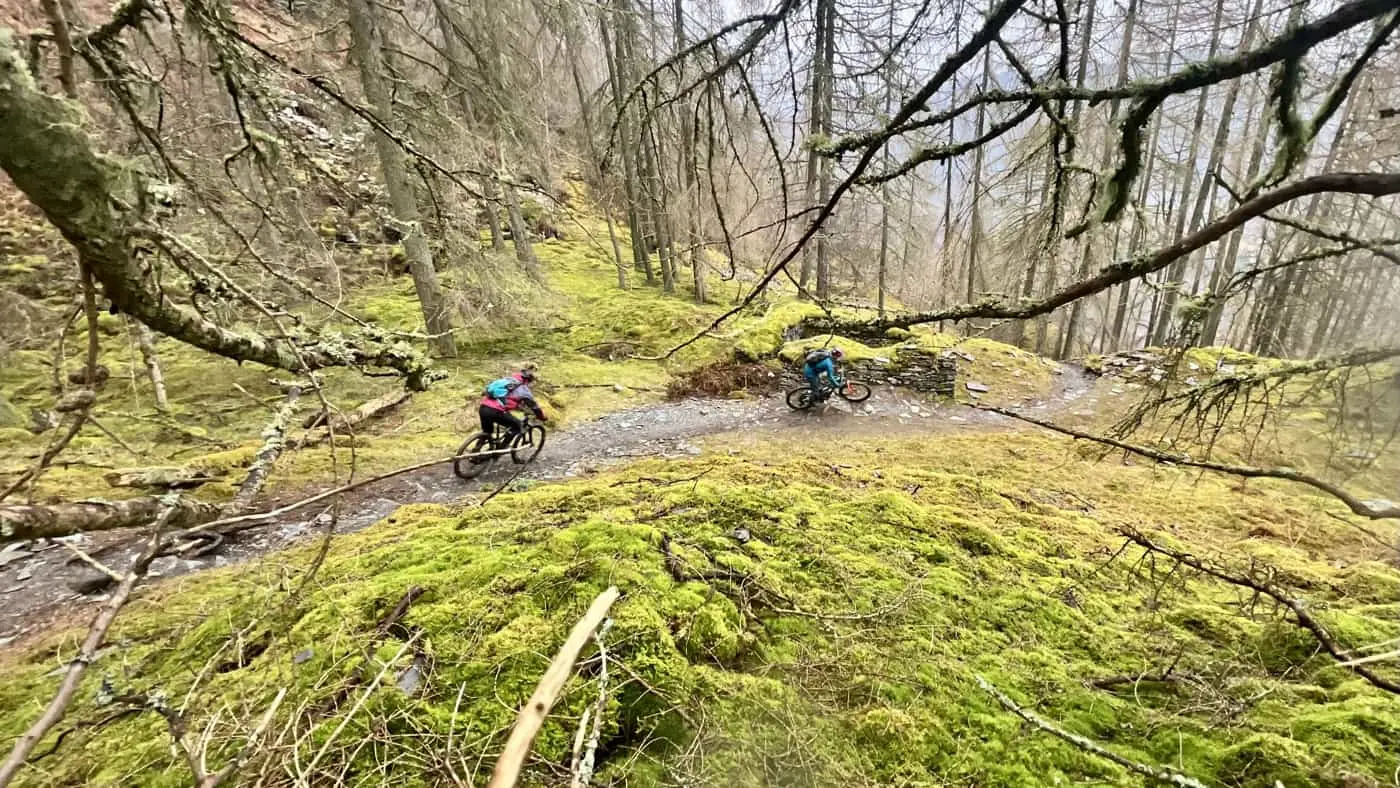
(471, 467)
(526, 446)
(854, 392)
(800, 398)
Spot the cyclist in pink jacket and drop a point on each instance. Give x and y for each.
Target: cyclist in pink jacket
(501, 397)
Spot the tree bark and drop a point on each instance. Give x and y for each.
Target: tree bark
(366, 48)
(824, 167)
(19, 522)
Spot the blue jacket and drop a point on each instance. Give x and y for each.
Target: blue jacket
(825, 366)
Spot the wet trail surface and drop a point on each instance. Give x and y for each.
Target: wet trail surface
(36, 580)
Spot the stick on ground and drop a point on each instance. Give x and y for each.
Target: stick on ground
(536, 709)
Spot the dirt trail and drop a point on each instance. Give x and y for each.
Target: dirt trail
(35, 579)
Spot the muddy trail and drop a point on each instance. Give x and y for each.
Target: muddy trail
(38, 581)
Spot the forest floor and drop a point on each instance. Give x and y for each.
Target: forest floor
(38, 587)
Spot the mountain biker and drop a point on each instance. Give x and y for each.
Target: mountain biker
(822, 361)
(504, 395)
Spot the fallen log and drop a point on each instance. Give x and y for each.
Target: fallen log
(160, 478)
(19, 522)
(347, 422)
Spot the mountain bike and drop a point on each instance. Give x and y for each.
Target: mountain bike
(849, 390)
(478, 452)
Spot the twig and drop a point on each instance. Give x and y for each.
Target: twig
(1270, 589)
(1353, 503)
(536, 709)
(87, 559)
(99, 425)
(360, 701)
(246, 750)
(86, 653)
(1161, 773)
(583, 768)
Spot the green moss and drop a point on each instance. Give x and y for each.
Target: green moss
(837, 646)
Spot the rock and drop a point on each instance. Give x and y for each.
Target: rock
(10, 557)
(1016, 373)
(100, 375)
(741, 535)
(90, 582)
(77, 399)
(41, 421)
(998, 364)
(973, 385)
(302, 656)
(1191, 381)
(24, 573)
(1193, 366)
(411, 679)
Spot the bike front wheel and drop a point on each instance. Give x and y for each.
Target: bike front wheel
(854, 392)
(527, 444)
(468, 467)
(800, 398)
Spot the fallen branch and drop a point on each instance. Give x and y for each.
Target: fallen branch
(1266, 586)
(274, 439)
(348, 422)
(97, 633)
(244, 521)
(1356, 505)
(1160, 773)
(582, 766)
(536, 709)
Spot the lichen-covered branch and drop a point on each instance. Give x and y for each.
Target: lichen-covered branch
(1372, 184)
(1158, 773)
(1262, 583)
(1355, 504)
(94, 200)
(274, 439)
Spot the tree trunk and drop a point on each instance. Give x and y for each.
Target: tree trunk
(975, 220)
(366, 49)
(826, 8)
(1225, 270)
(1125, 53)
(613, 54)
(145, 342)
(1176, 272)
(575, 54)
(688, 170)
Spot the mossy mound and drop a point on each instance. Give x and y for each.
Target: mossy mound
(836, 644)
(1010, 373)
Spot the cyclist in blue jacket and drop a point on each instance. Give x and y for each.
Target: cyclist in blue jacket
(819, 362)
